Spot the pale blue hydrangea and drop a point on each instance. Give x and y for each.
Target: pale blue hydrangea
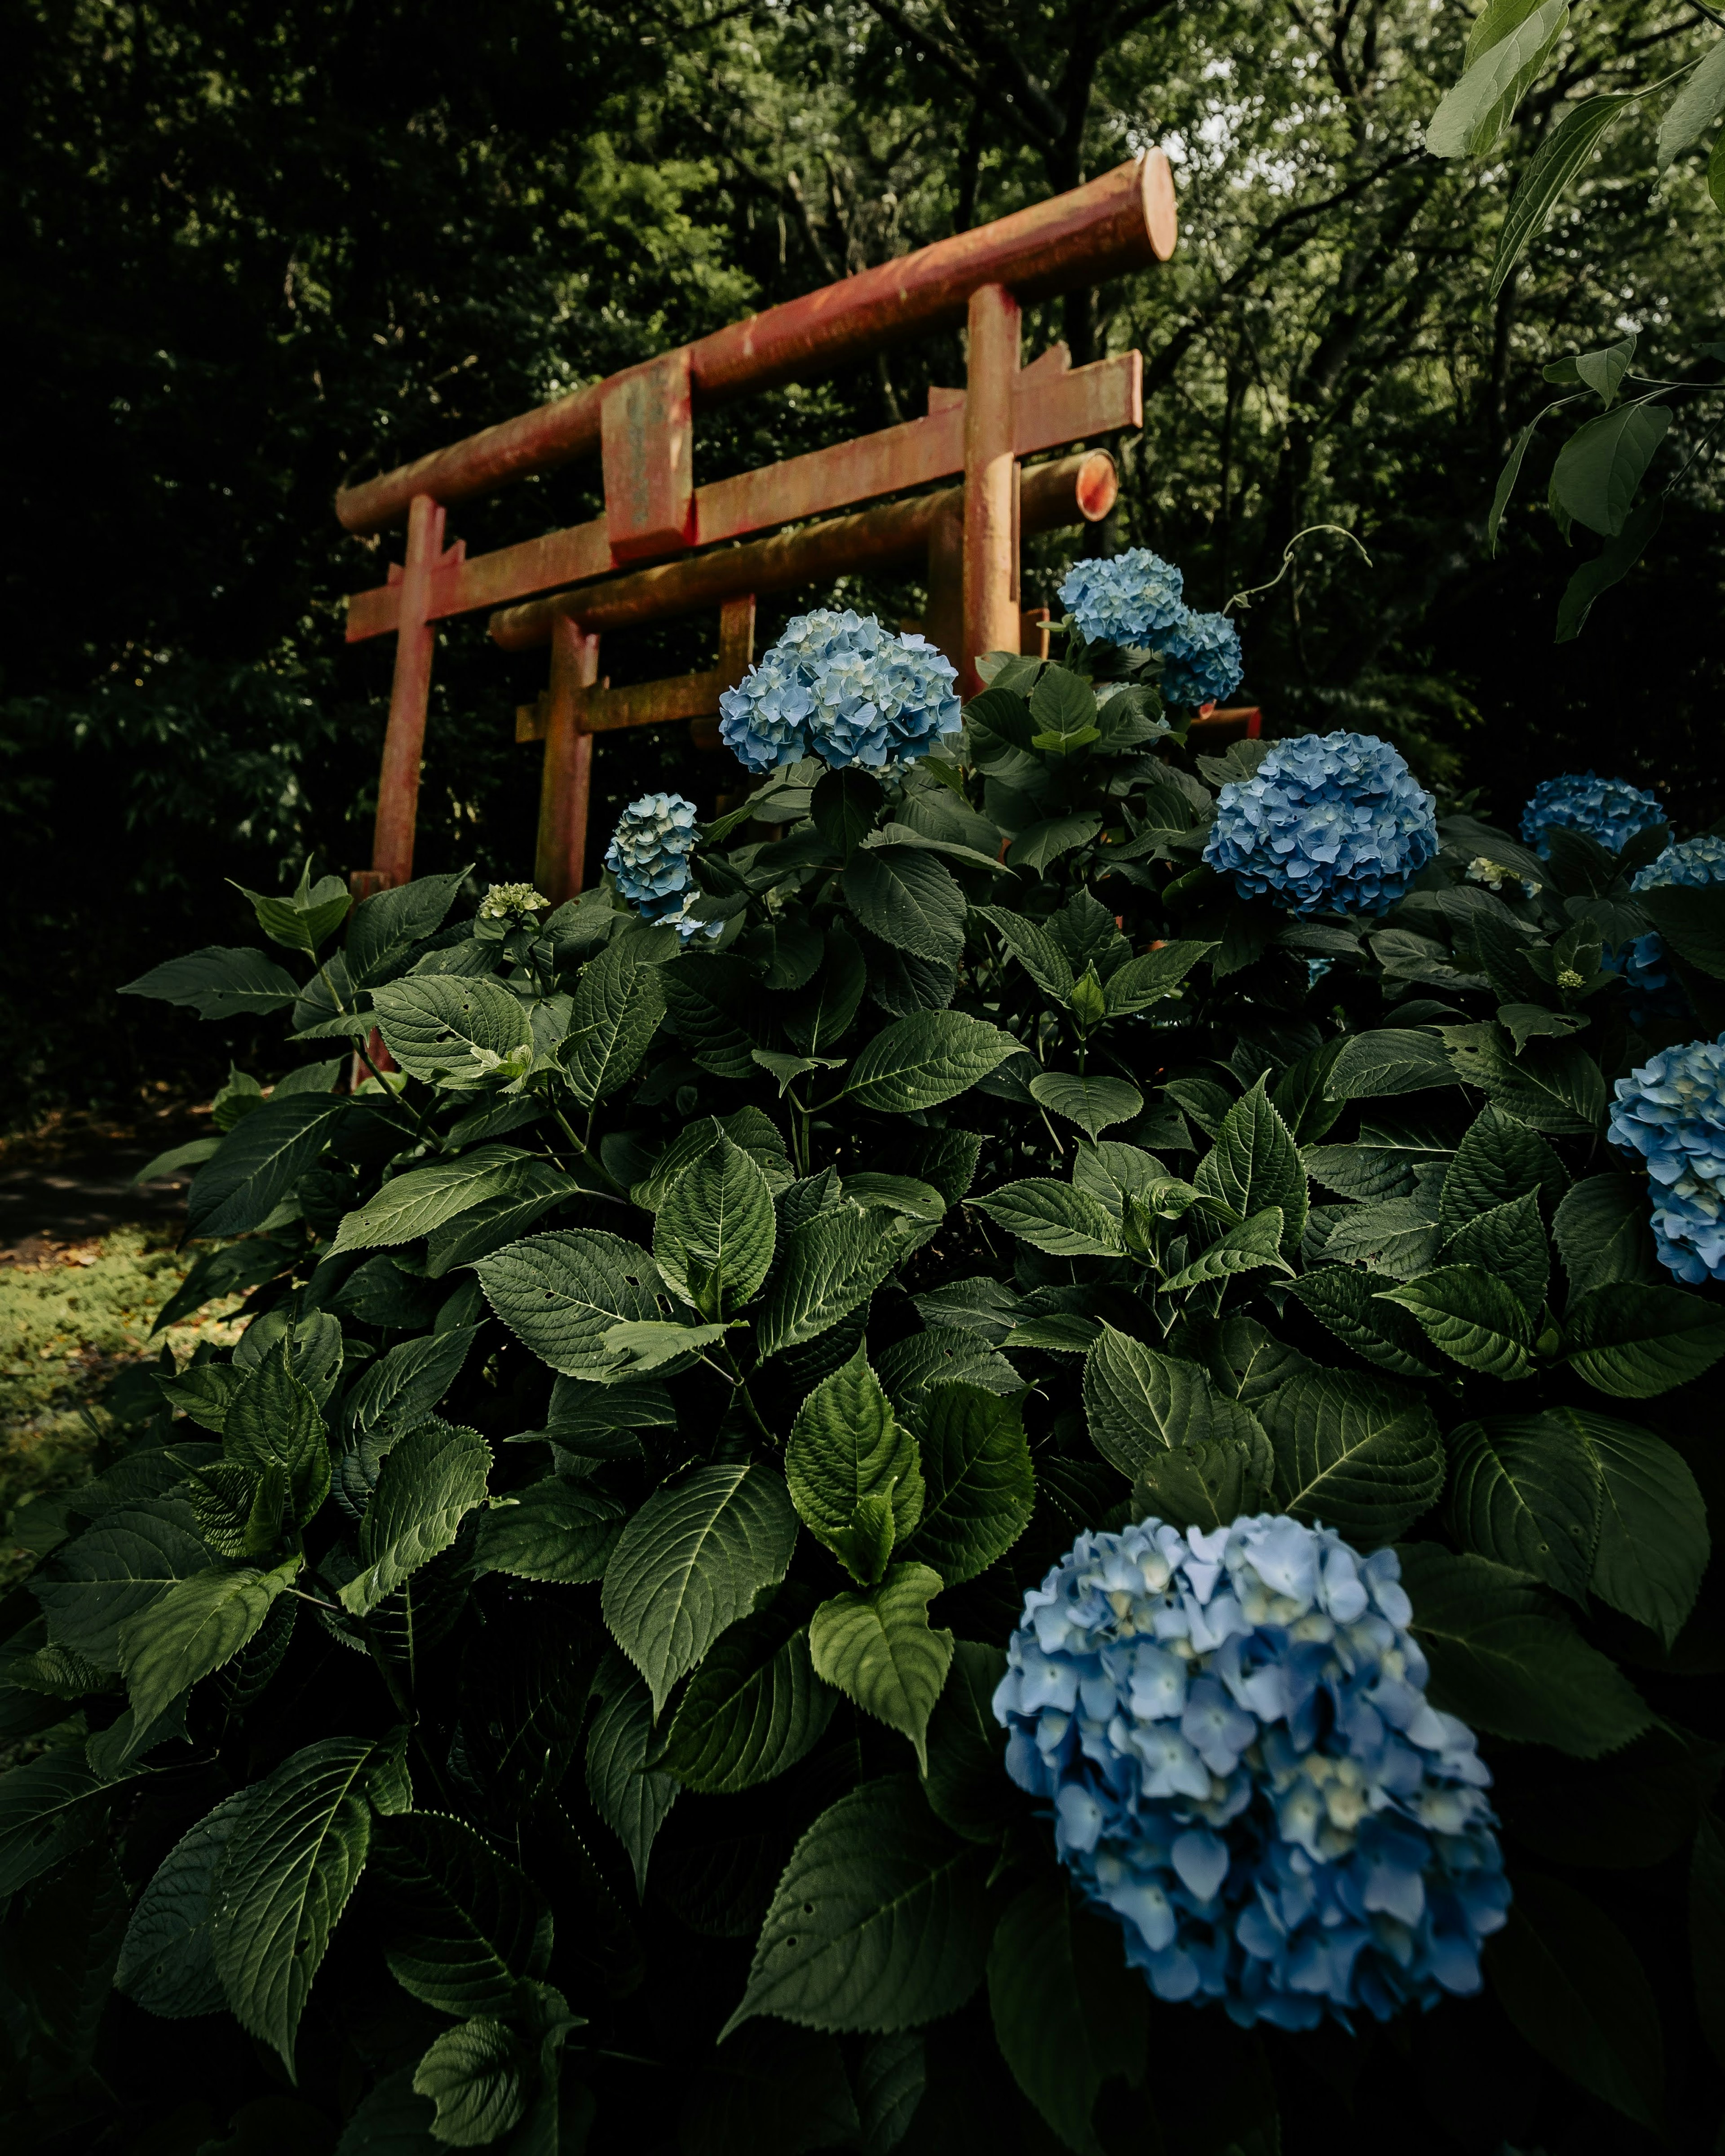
(1672, 1113)
(1233, 1732)
(841, 687)
(1654, 991)
(1328, 824)
(1131, 598)
(1696, 862)
(1608, 810)
(1200, 659)
(649, 852)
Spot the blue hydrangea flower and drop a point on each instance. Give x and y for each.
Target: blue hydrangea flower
(840, 687)
(1694, 861)
(1654, 990)
(1200, 659)
(1131, 598)
(1328, 824)
(1609, 810)
(649, 852)
(1233, 1732)
(1671, 1111)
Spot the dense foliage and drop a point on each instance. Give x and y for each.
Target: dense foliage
(539, 1691)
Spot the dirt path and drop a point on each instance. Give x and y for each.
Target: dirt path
(73, 1181)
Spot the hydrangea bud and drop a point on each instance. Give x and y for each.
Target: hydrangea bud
(509, 901)
(1608, 810)
(1131, 598)
(1232, 1733)
(1672, 1113)
(841, 687)
(649, 855)
(1328, 824)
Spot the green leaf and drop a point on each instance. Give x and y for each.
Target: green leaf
(714, 1236)
(827, 1267)
(474, 2074)
(1653, 1544)
(879, 1649)
(1068, 2013)
(273, 1422)
(412, 1204)
(1205, 1483)
(1508, 1241)
(899, 1194)
(302, 921)
(620, 1001)
(1570, 1983)
(1475, 111)
(1055, 1217)
(1636, 1342)
(383, 928)
(980, 1487)
(91, 1587)
(908, 899)
(632, 1801)
(1035, 950)
(846, 1447)
(285, 1881)
(166, 1962)
(1498, 1160)
(919, 1061)
(193, 1629)
(1495, 21)
(1613, 564)
(464, 1926)
(1691, 920)
(1525, 1493)
(880, 1922)
(220, 981)
(1138, 1401)
(260, 1161)
(554, 1530)
(691, 1562)
(1142, 981)
(822, 1014)
(1383, 1162)
(1473, 1317)
(966, 1781)
(713, 998)
(1509, 1664)
(407, 1383)
(1696, 106)
(49, 1808)
(778, 2088)
(1044, 841)
(562, 1292)
(1395, 1059)
(1253, 1244)
(1092, 1103)
(430, 1481)
(1600, 466)
(1350, 1303)
(436, 1026)
(1359, 1454)
(1254, 1163)
(1553, 1085)
(755, 1132)
(495, 1222)
(844, 807)
(754, 1706)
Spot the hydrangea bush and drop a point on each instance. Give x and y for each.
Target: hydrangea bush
(1092, 1223)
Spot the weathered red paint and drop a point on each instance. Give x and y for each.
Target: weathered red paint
(991, 477)
(647, 435)
(566, 784)
(1123, 221)
(409, 697)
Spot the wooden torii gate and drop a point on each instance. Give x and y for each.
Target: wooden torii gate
(641, 423)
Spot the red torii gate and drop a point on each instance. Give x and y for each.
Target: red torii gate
(641, 421)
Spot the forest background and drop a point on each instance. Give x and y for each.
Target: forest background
(254, 250)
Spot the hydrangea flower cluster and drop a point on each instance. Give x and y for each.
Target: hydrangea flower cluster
(840, 687)
(649, 855)
(1328, 824)
(1233, 1731)
(1200, 659)
(1654, 990)
(1131, 599)
(1671, 1111)
(1609, 810)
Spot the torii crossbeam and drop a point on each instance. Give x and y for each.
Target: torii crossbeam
(567, 587)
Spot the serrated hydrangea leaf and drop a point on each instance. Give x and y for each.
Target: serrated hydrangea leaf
(827, 1266)
(619, 1000)
(909, 898)
(1381, 1163)
(1065, 1222)
(1249, 1247)
(1111, 1171)
(495, 1222)
(1476, 1318)
(713, 998)
(561, 1293)
(464, 1925)
(714, 1236)
(90, 1588)
(473, 2073)
(439, 1027)
(822, 1014)
(1636, 1342)
(633, 1800)
(1204, 1484)
(553, 1530)
(1068, 2013)
(383, 928)
(167, 1965)
(1524, 1491)
(1048, 839)
(920, 1061)
(879, 1649)
(755, 1132)
(1035, 950)
(1139, 1400)
(1553, 1085)
(771, 2088)
(1394, 1060)
(1602, 1234)
(260, 1160)
(197, 1625)
(1145, 980)
(49, 1807)
(220, 981)
(690, 1563)
(404, 1385)
(1653, 1544)
(285, 1881)
(1396, 1237)
(1509, 1241)
(412, 1204)
(1359, 1454)
(1254, 1163)
(1350, 1304)
(273, 1421)
(754, 1706)
(1094, 1104)
(880, 1923)
(980, 1487)
(1497, 1160)
(846, 1445)
(1506, 1659)
(430, 1481)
